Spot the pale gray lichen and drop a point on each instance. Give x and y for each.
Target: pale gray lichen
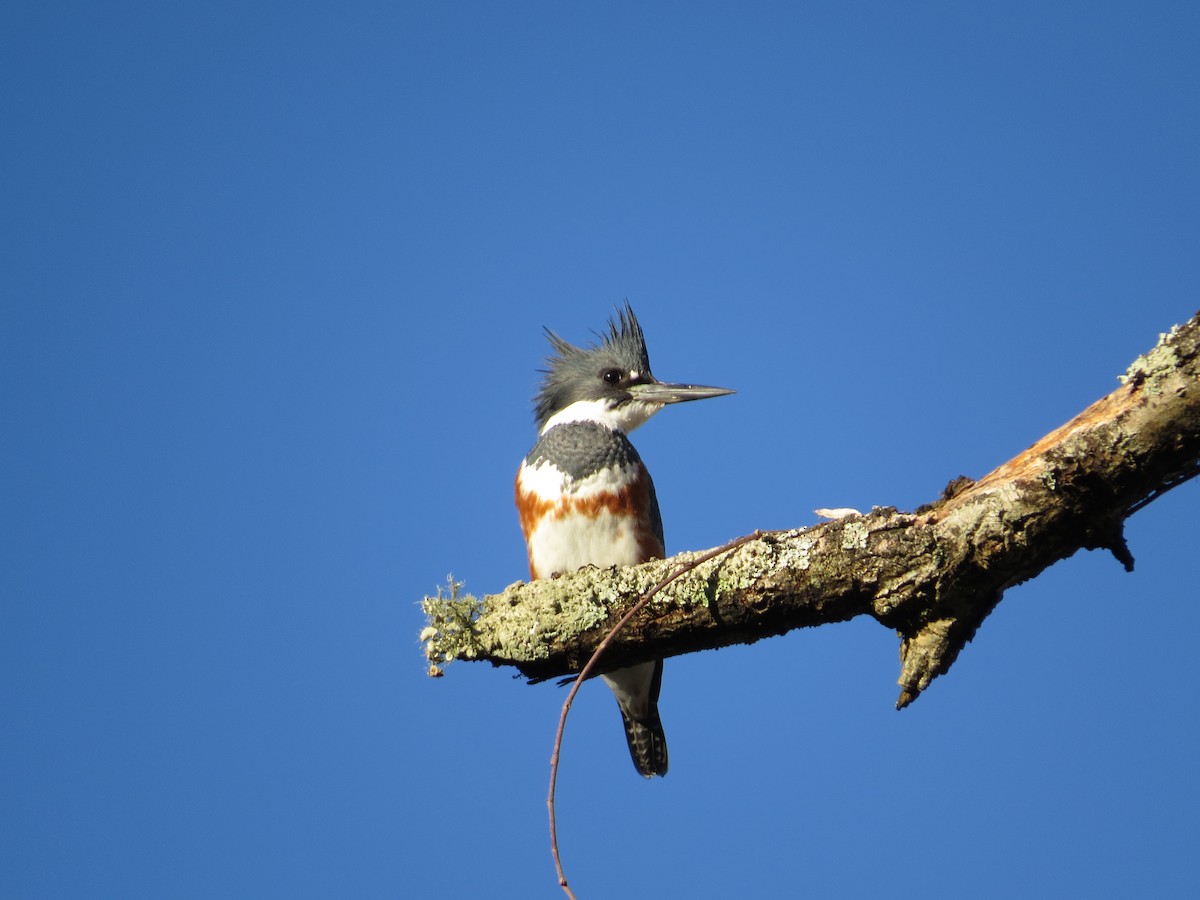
(796, 552)
(854, 536)
(1160, 359)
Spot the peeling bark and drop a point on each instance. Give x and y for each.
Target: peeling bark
(933, 575)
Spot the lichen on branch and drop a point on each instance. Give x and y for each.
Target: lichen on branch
(933, 575)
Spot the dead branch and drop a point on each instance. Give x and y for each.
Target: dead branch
(932, 575)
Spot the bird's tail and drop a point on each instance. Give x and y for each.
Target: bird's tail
(636, 689)
(647, 744)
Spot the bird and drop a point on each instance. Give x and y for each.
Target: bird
(584, 496)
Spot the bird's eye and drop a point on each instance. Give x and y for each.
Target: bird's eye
(612, 376)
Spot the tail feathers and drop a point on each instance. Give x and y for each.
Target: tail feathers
(636, 689)
(647, 743)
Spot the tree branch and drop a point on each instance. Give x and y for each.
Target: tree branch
(933, 575)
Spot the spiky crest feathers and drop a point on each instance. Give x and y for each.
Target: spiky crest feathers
(575, 374)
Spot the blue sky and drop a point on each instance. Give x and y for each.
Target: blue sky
(275, 277)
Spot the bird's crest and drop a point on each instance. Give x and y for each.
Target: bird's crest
(575, 373)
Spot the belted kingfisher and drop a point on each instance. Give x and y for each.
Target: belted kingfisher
(584, 495)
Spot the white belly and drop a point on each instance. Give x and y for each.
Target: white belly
(566, 544)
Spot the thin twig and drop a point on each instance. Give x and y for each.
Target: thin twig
(587, 671)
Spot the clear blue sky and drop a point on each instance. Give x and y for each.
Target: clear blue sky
(274, 277)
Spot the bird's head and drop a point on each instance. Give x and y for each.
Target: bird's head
(609, 382)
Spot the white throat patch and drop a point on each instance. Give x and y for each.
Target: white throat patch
(623, 418)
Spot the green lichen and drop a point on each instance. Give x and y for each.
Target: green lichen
(522, 625)
(450, 634)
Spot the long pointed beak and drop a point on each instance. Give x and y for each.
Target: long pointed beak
(660, 392)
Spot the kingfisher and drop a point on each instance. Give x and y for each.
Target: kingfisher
(584, 495)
